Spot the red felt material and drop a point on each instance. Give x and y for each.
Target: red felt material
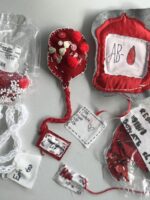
(57, 136)
(71, 63)
(126, 26)
(119, 154)
(64, 70)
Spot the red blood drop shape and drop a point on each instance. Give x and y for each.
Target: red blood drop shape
(131, 56)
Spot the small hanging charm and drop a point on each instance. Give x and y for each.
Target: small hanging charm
(70, 179)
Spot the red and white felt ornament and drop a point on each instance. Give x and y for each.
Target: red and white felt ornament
(67, 58)
(122, 57)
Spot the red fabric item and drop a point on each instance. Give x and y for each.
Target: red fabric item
(63, 70)
(54, 145)
(125, 26)
(120, 153)
(8, 79)
(67, 58)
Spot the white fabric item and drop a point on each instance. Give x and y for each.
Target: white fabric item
(137, 124)
(86, 126)
(15, 116)
(117, 48)
(27, 166)
(70, 179)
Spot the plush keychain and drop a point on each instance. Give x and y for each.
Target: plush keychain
(67, 58)
(122, 51)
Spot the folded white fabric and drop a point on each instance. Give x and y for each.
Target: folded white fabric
(86, 126)
(27, 166)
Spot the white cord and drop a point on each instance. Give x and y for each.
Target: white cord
(20, 113)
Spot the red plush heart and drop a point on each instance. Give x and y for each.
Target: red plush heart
(67, 54)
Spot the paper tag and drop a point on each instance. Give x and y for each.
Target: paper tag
(53, 144)
(127, 56)
(9, 56)
(70, 179)
(85, 126)
(137, 124)
(27, 166)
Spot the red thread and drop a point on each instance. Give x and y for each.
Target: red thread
(113, 188)
(110, 189)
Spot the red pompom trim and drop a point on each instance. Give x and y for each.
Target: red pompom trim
(72, 61)
(76, 36)
(24, 83)
(84, 47)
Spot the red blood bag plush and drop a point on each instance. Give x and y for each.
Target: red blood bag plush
(67, 58)
(122, 57)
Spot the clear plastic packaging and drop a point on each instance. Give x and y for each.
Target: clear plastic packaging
(19, 56)
(126, 165)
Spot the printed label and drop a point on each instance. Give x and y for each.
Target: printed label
(54, 145)
(85, 126)
(70, 179)
(137, 124)
(126, 56)
(27, 166)
(9, 56)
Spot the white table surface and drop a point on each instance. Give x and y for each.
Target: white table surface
(47, 100)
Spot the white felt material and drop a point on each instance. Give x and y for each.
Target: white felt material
(27, 166)
(117, 48)
(86, 126)
(70, 179)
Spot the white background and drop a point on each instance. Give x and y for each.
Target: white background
(47, 100)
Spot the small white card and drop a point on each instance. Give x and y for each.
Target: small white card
(27, 166)
(70, 179)
(85, 126)
(137, 124)
(9, 56)
(127, 56)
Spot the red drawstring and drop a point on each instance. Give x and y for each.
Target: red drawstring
(123, 114)
(128, 109)
(113, 188)
(64, 119)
